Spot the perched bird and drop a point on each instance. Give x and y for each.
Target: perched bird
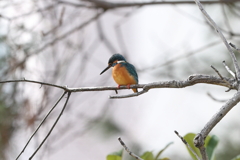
(123, 72)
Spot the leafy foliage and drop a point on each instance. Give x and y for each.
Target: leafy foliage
(210, 144)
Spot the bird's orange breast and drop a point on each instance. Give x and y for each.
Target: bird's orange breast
(121, 76)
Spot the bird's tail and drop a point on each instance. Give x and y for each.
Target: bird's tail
(135, 90)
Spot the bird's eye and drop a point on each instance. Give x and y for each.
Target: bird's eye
(113, 64)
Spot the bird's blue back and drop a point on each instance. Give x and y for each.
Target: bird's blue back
(131, 69)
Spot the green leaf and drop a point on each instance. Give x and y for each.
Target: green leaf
(236, 158)
(147, 156)
(211, 146)
(189, 138)
(160, 152)
(115, 155)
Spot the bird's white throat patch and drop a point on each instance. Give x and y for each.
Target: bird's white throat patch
(121, 61)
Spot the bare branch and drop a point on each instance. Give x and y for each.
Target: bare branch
(41, 124)
(199, 139)
(182, 56)
(232, 45)
(103, 38)
(69, 32)
(214, 25)
(61, 16)
(50, 131)
(128, 150)
(229, 70)
(192, 80)
(113, 5)
(62, 36)
(215, 99)
(30, 13)
(188, 146)
(221, 76)
(32, 81)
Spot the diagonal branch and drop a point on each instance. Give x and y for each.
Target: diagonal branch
(199, 139)
(54, 106)
(50, 131)
(214, 25)
(128, 150)
(187, 145)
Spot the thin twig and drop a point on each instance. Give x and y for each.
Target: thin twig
(50, 131)
(31, 12)
(104, 38)
(214, 25)
(128, 150)
(230, 86)
(54, 106)
(188, 146)
(215, 99)
(182, 56)
(233, 46)
(229, 70)
(61, 16)
(32, 81)
(73, 30)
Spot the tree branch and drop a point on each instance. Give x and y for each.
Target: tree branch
(214, 25)
(192, 80)
(40, 125)
(188, 146)
(113, 5)
(199, 139)
(228, 69)
(50, 131)
(128, 150)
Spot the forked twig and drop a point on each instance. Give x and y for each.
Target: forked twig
(199, 139)
(214, 25)
(50, 131)
(221, 76)
(41, 124)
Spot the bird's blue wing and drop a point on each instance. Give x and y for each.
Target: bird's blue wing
(131, 69)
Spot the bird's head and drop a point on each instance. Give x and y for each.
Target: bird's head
(113, 60)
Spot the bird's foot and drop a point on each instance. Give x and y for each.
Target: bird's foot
(128, 86)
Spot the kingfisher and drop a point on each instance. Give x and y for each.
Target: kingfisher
(123, 72)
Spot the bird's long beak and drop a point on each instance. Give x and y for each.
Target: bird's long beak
(109, 66)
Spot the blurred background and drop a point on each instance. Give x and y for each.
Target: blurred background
(69, 42)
